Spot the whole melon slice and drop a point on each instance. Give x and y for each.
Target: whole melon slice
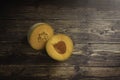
(39, 34)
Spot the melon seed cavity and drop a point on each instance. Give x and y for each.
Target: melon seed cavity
(42, 36)
(60, 47)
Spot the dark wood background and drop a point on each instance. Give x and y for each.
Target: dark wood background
(94, 26)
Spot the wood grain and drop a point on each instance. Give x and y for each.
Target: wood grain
(58, 71)
(91, 32)
(93, 26)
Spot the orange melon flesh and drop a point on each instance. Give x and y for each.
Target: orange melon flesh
(57, 43)
(39, 34)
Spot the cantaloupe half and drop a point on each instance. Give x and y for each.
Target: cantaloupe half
(39, 34)
(59, 47)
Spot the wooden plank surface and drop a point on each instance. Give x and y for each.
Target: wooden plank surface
(93, 26)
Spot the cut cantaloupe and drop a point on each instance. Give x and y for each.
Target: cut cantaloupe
(39, 34)
(59, 47)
